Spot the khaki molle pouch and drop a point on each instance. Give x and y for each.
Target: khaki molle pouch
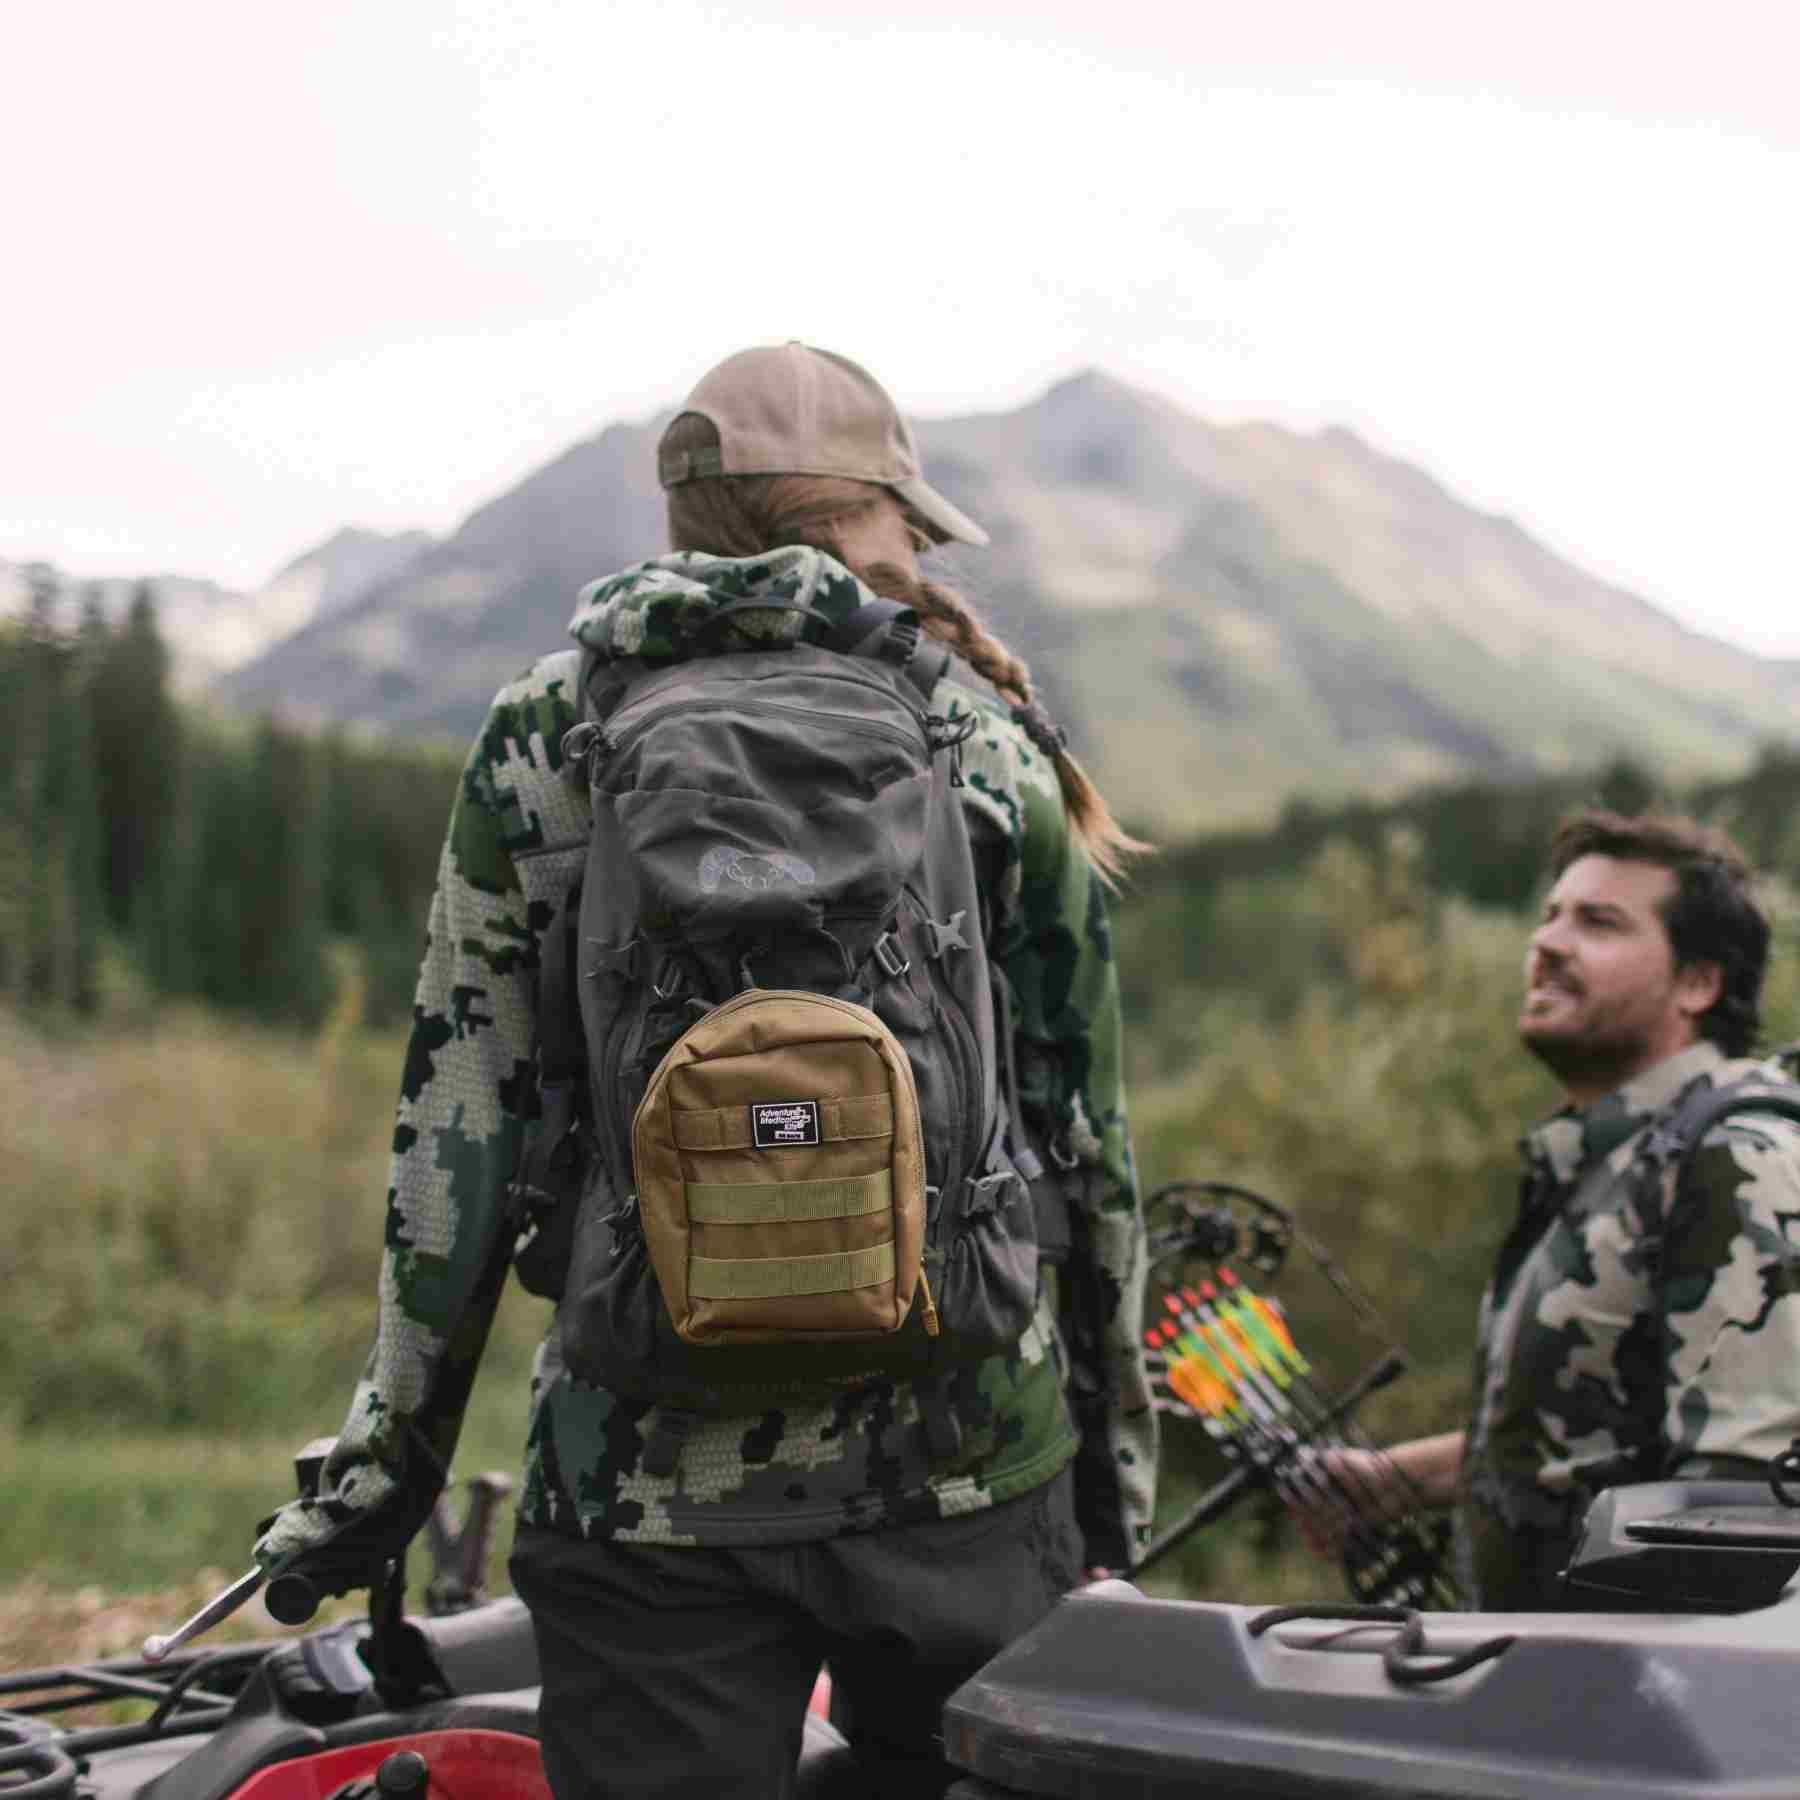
(781, 1175)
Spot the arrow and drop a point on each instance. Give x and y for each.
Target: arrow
(1263, 1384)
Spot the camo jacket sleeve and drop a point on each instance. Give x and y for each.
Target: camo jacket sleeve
(1731, 1301)
(514, 840)
(1054, 942)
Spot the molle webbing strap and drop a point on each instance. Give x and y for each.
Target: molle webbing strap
(787, 1202)
(728, 1127)
(782, 1277)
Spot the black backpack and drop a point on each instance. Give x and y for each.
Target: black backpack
(768, 823)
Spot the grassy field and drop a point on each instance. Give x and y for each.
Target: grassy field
(193, 1243)
(189, 1296)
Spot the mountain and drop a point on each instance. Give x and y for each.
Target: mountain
(211, 630)
(1223, 616)
(426, 649)
(325, 581)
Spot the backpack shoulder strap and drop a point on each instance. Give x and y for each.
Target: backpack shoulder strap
(1712, 1107)
(883, 630)
(560, 1045)
(1675, 1140)
(551, 1150)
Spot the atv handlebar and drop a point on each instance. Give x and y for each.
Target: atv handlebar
(292, 1598)
(359, 1557)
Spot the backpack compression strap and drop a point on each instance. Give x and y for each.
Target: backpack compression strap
(880, 630)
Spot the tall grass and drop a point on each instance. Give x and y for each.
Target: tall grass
(188, 1287)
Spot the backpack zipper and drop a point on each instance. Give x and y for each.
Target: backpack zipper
(848, 721)
(616, 744)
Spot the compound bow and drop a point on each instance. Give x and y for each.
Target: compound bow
(1223, 1356)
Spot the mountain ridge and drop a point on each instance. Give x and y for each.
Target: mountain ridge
(1262, 611)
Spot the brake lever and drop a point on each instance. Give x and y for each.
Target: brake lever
(217, 1609)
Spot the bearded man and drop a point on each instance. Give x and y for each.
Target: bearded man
(1643, 1319)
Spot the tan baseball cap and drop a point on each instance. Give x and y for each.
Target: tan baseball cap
(789, 409)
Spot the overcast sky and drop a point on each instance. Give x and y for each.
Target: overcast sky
(271, 270)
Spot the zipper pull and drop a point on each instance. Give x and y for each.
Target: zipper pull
(944, 733)
(585, 747)
(626, 1228)
(930, 1314)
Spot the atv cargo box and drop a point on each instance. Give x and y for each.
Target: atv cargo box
(1116, 1696)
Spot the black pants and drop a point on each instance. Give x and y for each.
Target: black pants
(676, 1672)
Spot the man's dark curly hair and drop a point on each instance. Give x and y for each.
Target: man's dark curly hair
(1711, 917)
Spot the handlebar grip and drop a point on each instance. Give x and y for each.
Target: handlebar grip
(291, 1599)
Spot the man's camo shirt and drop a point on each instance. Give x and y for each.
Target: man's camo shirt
(516, 841)
(1599, 1361)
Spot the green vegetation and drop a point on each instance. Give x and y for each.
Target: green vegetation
(1336, 1031)
(193, 857)
(189, 1292)
(195, 1116)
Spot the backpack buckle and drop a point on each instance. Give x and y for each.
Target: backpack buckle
(947, 934)
(901, 643)
(889, 957)
(985, 1190)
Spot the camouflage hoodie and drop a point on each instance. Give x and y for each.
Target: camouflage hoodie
(1600, 1359)
(516, 841)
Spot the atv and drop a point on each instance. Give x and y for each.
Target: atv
(432, 1706)
(1679, 1681)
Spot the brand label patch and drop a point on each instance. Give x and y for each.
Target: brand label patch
(776, 1124)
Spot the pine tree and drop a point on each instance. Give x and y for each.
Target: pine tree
(285, 974)
(38, 725)
(136, 740)
(84, 831)
(15, 843)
